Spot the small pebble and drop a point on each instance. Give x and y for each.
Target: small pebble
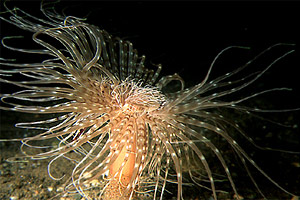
(59, 189)
(22, 165)
(50, 189)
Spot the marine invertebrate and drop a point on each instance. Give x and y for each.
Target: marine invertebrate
(112, 112)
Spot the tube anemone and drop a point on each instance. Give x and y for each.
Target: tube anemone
(116, 120)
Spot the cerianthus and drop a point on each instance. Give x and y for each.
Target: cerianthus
(113, 116)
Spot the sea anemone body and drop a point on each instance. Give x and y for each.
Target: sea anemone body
(111, 110)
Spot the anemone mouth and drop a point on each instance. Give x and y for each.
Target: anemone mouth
(132, 97)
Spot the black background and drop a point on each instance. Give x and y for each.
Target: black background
(186, 36)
